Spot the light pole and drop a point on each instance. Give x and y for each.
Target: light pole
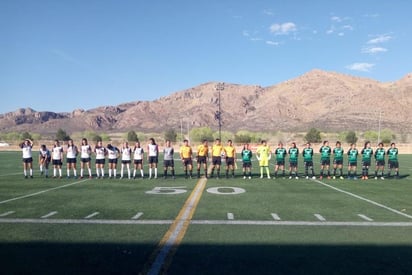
(218, 115)
(379, 126)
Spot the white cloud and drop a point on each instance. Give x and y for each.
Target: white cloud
(268, 12)
(284, 28)
(336, 19)
(347, 27)
(272, 43)
(246, 33)
(380, 39)
(362, 67)
(374, 50)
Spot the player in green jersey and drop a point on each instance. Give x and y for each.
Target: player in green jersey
(338, 160)
(352, 161)
(293, 161)
(280, 154)
(325, 152)
(246, 155)
(308, 160)
(393, 160)
(380, 161)
(367, 153)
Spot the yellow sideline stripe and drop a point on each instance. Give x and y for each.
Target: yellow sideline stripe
(161, 257)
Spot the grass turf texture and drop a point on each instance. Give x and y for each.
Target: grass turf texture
(206, 248)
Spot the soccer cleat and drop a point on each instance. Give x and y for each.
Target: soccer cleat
(321, 177)
(244, 177)
(250, 177)
(328, 177)
(376, 178)
(382, 178)
(297, 177)
(366, 177)
(307, 177)
(268, 177)
(261, 176)
(313, 177)
(290, 177)
(341, 177)
(363, 178)
(334, 177)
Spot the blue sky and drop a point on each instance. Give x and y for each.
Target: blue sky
(64, 55)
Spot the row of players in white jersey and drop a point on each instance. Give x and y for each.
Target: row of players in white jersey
(55, 157)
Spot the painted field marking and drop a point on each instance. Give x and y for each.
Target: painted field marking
(320, 217)
(366, 218)
(42, 192)
(49, 215)
(92, 215)
(364, 199)
(207, 222)
(230, 216)
(275, 216)
(137, 216)
(161, 257)
(6, 213)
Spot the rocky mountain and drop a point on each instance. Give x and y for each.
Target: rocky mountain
(326, 100)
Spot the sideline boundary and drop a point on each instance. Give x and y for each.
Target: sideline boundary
(205, 222)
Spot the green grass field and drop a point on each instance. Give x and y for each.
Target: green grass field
(225, 226)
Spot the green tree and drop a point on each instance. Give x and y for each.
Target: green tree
(132, 136)
(26, 135)
(199, 134)
(242, 138)
(387, 136)
(313, 136)
(171, 135)
(62, 135)
(351, 137)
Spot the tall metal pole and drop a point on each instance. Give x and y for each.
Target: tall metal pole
(379, 127)
(219, 87)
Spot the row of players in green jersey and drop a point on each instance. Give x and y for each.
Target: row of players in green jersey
(326, 152)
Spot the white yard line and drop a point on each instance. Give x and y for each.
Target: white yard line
(137, 216)
(49, 215)
(275, 217)
(206, 222)
(320, 217)
(42, 192)
(91, 215)
(6, 213)
(366, 218)
(365, 199)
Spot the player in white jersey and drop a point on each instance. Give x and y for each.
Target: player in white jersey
(126, 152)
(152, 157)
(138, 155)
(113, 153)
(168, 159)
(85, 157)
(26, 147)
(101, 153)
(57, 158)
(44, 160)
(71, 158)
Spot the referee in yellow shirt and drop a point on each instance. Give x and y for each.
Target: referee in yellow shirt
(230, 153)
(217, 151)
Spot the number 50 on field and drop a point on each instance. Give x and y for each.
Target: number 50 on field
(221, 190)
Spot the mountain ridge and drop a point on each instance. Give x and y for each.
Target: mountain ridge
(326, 100)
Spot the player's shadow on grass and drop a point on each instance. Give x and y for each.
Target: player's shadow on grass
(122, 258)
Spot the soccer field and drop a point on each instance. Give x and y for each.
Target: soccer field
(204, 226)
